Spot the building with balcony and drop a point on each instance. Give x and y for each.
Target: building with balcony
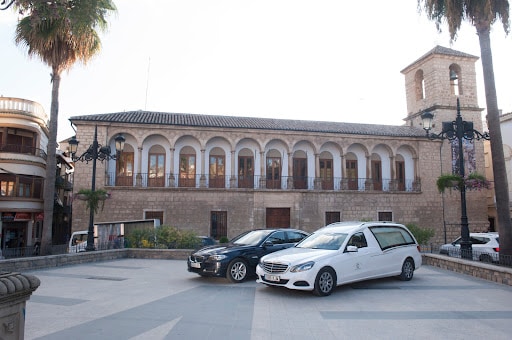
(220, 175)
(23, 145)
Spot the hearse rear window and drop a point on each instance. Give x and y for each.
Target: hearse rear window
(391, 236)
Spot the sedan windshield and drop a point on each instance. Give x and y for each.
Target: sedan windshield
(252, 238)
(330, 241)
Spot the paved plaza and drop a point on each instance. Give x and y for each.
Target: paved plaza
(159, 299)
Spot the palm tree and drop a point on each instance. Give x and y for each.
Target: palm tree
(482, 14)
(59, 32)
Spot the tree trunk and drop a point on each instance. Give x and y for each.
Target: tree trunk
(498, 158)
(51, 167)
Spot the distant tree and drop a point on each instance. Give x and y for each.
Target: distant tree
(482, 14)
(59, 32)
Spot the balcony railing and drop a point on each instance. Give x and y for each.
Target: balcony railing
(23, 106)
(23, 149)
(258, 182)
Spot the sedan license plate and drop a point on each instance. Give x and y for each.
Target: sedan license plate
(273, 278)
(195, 264)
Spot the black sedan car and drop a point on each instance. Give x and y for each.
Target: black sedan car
(237, 259)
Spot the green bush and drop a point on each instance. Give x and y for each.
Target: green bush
(422, 235)
(223, 239)
(163, 237)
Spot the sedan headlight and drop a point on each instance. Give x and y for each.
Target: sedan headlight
(216, 257)
(302, 267)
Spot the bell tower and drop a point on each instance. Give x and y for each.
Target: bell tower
(434, 81)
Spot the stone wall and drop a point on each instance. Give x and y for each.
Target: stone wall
(484, 271)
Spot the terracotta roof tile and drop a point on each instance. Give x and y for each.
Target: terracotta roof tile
(230, 122)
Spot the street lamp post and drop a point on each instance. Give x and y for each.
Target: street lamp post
(457, 130)
(93, 153)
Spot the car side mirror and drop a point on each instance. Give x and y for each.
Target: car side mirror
(268, 244)
(352, 249)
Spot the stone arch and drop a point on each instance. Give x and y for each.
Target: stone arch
(455, 78)
(419, 84)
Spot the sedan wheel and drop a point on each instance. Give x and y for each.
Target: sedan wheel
(325, 282)
(407, 270)
(237, 271)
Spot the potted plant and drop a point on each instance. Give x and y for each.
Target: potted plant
(449, 181)
(476, 181)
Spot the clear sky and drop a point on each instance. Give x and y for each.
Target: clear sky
(328, 60)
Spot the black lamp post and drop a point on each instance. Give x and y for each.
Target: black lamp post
(457, 130)
(94, 152)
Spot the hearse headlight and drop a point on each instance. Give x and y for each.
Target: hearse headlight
(302, 267)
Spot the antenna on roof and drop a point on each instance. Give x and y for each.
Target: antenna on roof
(147, 85)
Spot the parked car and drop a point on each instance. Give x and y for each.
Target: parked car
(485, 247)
(342, 253)
(237, 259)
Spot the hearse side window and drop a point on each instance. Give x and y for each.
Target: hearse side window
(391, 236)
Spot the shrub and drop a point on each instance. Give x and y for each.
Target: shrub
(422, 235)
(223, 239)
(163, 237)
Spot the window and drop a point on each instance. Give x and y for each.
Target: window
(246, 172)
(218, 224)
(294, 236)
(326, 174)
(124, 169)
(278, 217)
(187, 171)
(332, 217)
(154, 215)
(300, 173)
(400, 175)
(7, 185)
(156, 175)
(273, 173)
(217, 172)
(377, 175)
(420, 85)
(385, 216)
(19, 140)
(352, 174)
(278, 237)
(358, 240)
(391, 236)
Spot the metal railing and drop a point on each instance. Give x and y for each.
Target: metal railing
(476, 255)
(23, 149)
(262, 182)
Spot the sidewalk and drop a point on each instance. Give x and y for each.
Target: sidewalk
(159, 299)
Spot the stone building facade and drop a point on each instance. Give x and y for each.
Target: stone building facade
(219, 175)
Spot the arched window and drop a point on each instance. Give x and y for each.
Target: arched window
(187, 167)
(455, 80)
(420, 85)
(156, 166)
(217, 168)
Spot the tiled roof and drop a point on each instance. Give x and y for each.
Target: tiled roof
(443, 51)
(230, 122)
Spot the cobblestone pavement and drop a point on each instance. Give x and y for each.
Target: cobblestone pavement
(159, 299)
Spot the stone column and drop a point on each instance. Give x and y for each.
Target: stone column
(15, 290)
(202, 180)
(232, 179)
(138, 179)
